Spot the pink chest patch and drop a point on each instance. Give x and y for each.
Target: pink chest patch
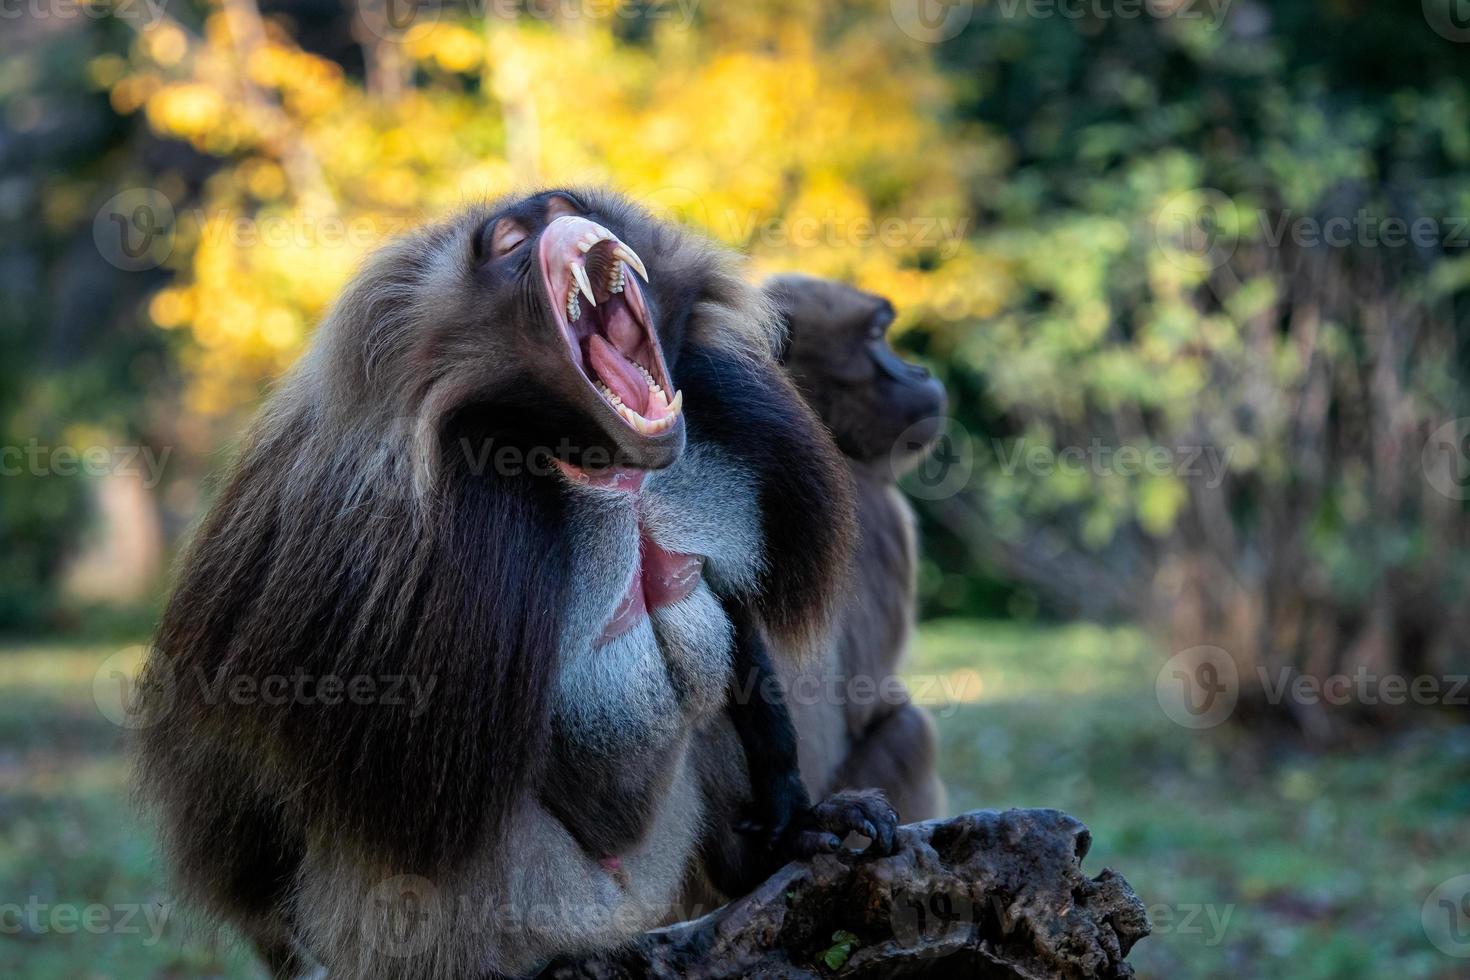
(662, 579)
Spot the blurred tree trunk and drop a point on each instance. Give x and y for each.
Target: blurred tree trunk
(1326, 568)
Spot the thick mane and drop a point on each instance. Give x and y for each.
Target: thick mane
(806, 497)
(324, 558)
(356, 541)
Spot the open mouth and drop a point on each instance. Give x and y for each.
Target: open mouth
(601, 311)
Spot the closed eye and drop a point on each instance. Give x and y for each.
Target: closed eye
(502, 238)
(509, 236)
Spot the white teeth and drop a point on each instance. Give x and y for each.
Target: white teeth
(591, 238)
(579, 273)
(647, 427)
(649, 379)
(574, 306)
(643, 425)
(631, 257)
(615, 278)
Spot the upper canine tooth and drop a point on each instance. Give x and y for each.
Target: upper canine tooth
(579, 273)
(631, 257)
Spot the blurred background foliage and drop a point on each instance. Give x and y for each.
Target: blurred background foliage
(1178, 403)
(1172, 403)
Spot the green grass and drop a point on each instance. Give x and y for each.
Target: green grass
(1257, 862)
(1311, 866)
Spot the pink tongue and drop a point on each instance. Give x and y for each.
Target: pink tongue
(618, 373)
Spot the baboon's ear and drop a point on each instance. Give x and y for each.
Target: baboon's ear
(782, 293)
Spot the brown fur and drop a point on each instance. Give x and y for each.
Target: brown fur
(354, 539)
(837, 356)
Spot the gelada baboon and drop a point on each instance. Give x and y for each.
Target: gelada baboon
(856, 726)
(523, 474)
(885, 415)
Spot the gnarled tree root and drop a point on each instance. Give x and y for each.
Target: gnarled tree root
(982, 895)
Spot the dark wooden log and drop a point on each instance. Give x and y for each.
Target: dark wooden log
(982, 895)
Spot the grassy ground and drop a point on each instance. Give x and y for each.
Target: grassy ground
(1292, 866)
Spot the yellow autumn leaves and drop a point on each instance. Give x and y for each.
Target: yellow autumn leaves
(809, 146)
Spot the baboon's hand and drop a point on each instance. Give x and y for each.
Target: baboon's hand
(822, 828)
